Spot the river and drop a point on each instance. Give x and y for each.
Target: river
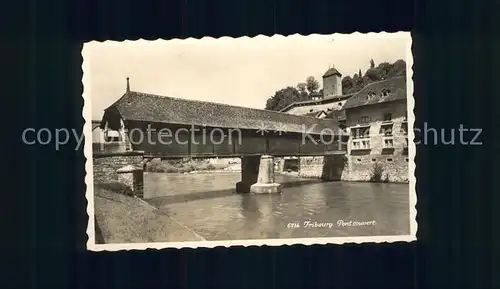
(208, 205)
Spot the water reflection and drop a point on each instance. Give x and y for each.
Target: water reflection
(207, 204)
(249, 208)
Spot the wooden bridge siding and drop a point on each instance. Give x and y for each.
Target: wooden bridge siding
(156, 147)
(226, 148)
(251, 144)
(308, 147)
(287, 145)
(325, 146)
(200, 145)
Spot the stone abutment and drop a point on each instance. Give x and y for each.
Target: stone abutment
(120, 168)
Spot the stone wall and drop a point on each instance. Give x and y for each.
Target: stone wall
(311, 167)
(362, 168)
(378, 168)
(330, 168)
(107, 164)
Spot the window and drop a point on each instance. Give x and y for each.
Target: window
(342, 125)
(359, 160)
(386, 130)
(388, 143)
(311, 110)
(385, 92)
(374, 160)
(404, 128)
(406, 160)
(389, 160)
(387, 116)
(361, 145)
(364, 120)
(363, 132)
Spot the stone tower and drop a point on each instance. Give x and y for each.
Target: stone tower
(332, 83)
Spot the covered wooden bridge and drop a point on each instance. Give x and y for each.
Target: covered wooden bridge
(167, 127)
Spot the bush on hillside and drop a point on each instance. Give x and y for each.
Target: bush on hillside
(116, 188)
(181, 166)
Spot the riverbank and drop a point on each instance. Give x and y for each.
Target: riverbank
(189, 166)
(125, 219)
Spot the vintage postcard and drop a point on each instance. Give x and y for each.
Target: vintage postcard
(249, 141)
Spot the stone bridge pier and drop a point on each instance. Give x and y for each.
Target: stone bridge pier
(257, 175)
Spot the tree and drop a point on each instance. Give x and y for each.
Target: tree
(347, 84)
(305, 91)
(312, 84)
(384, 69)
(282, 98)
(355, 80)
(362, 82)
(301, 87)
(398, 69)
(304, 96)
(373, 75)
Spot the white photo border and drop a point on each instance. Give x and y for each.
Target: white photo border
(87, 130)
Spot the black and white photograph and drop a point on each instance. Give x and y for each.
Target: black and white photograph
(249, 141)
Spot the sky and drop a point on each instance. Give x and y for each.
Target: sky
(242, 71)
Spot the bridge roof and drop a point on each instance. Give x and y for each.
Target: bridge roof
(146, 107)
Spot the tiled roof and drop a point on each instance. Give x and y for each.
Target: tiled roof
(332, 71)
(161, 109)
(312, 114)
(314, 102)
(336, 114)
(395, 87)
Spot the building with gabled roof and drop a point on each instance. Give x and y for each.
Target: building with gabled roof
(375, 119)
(331, 99)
